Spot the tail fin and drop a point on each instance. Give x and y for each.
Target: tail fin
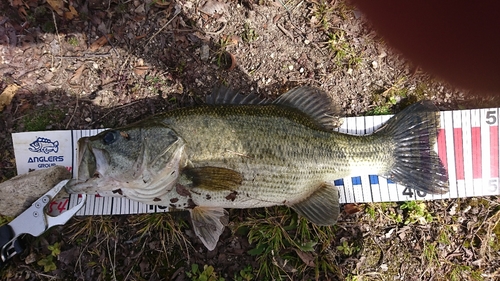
(416, 164)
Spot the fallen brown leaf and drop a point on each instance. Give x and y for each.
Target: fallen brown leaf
(231, 39)
(307, 258)
(140, 70)
(78, 73)
(7, 95)
(351, 208)
(162, 3)
(71, 14)
(212, 7)
(16, 3)
(103, 40)
(57, 5)
(24, 106)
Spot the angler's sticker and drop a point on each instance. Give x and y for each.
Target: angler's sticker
(40, 150)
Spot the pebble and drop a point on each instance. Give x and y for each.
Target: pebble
(205, 53)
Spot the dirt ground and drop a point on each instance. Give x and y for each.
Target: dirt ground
(95, 64)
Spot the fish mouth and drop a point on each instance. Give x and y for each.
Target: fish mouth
(91, 163)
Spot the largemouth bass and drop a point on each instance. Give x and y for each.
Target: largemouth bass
(242, 152)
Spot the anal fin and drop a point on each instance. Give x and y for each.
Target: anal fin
(208, 224)
(321, 207)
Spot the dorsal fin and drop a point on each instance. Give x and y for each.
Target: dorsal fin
(224, 95)
(314, 103)
(309, 100)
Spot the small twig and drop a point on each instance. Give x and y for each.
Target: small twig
(218, 31)
(296, 6)
(74, 112)
(284, 6)
(287, 33)
(111, 44)
(177, 12)
(57, 35)
(84, 56)
(118, 107)
(39, 273)
(303, 37)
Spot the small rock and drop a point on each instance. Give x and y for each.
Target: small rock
(140, 9)
(375, 64)
(31, 258)
(453, 210)
(213, 7)
(290, 67)
(205, 53)
(389, 233)
(54, 47)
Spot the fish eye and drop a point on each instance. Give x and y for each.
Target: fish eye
(110, 137)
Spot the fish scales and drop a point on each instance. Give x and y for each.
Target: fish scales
(281, 154)
(247, 153)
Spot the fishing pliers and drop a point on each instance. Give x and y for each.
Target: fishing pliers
(33, 221)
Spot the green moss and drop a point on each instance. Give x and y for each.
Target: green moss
(206, 274)
(249, 33)
(41, 119)
(48, 27)
(73, 41)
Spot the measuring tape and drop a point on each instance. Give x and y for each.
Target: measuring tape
(467, 143)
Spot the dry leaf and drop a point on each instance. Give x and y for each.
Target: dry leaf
(24, 106)
(162, 3)
(351, 208)
(307, 258)
(16, 3)
(140, 70)
(78, 73)
(57, 5)
(7, 95)
(71, 14)
(233, 62)
(212, 7)
(231, 39)
(103, 40)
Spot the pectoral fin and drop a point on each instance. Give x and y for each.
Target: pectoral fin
(214, 178)
(321, 207)
(208, 224)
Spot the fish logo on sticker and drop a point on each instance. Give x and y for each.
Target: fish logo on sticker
(44, 145)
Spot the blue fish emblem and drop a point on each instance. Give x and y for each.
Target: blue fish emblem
(44, 145)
